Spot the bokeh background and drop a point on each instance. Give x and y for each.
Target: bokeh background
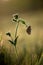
(32, 12)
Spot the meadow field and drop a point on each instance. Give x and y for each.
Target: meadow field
(29, 47)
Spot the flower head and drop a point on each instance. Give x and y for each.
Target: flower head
(28, 30)
(15, 17)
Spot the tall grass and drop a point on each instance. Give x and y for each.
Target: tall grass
(25, 57)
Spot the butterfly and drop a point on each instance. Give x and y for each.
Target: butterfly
(28, 30)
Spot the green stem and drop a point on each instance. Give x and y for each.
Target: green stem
(16, 29)
(16, 35)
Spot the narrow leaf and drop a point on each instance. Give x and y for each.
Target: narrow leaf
(9, 34)
(15, 20)
(23, 22)
(15, 41)
(11, 41)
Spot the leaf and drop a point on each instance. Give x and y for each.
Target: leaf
(15, 41)
(22, 21)
(9, 34)
(11, 41)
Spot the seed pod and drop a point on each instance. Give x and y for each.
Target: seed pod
(28, 30)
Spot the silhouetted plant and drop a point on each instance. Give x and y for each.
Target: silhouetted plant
(17, 20)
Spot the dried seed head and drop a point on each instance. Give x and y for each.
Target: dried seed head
(16, 16)
(28, 30)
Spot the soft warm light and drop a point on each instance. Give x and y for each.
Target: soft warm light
(5, 0)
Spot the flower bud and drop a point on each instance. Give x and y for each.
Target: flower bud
(28, 30)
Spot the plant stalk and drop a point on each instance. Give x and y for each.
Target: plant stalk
(16, 35)
(16, 29)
